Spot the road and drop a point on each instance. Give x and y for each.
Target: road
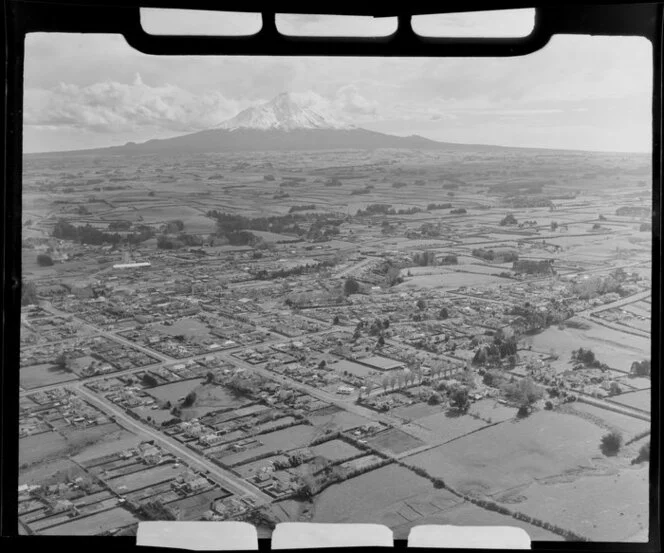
(355, 267)
(236, 485)
(346, 403)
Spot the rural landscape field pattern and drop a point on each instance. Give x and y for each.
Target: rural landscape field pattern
(285, 319)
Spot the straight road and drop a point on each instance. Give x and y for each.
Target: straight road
(234, 484)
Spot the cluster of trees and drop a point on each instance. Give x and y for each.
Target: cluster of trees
(432, 207)
(294, 271)
(425, 258)
(119, 225)
(378, 326)
(323, 229)
(228, 223)
(524, 201)
(532, 319)
(586, 357)
(533, 267)
(641, 368)
(592, 287)
(491, 255)
(172, 227)
(89, 235)
(450, 259)
(385, 209)
(307, 207)
(156, 510)
(509, 219)
(493, 354)
(525, 393)
(459, 211)
(399, 184)
(460, 399)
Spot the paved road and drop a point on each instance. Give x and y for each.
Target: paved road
(235, 484)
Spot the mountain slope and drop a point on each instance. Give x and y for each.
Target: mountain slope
(287, 122)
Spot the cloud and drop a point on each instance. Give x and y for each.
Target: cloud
(349, 100)
(111, 107)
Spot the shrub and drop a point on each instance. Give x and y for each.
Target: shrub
(351, 287)
(611, 443)
(644, 454)
(44, 260)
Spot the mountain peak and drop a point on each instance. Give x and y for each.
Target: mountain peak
(288, 111)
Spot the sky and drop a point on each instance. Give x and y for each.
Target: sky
(578, 92)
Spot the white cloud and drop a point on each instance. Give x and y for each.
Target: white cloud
(349, 100)
(111, 107)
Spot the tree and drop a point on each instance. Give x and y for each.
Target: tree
(644, 454)
(641, 368)
(611, 443)
(335, 321)
(44, 260)
(381, 341)
(444, 314)
(351, 287)
(554, 225)
(435, 399)
(525, 392)
(509, 219)
(209, 377)
(421, 304)
(149, 380)
(28, 293)
(393, 381)
(385, 382)
(460, 399)
(62, 362)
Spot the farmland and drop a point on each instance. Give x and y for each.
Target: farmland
(394, 336)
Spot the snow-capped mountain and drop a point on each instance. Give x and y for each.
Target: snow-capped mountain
(286, 112)
(289, 122)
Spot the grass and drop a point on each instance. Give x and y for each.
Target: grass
(94, 524)
(148, 477)
(513, 453)
(36, 376)
(335, 450)
(359, 499)
(395, 441)
(639, 400)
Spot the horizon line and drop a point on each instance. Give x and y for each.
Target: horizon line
(550, 148)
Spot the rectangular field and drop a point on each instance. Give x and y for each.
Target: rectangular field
(94, 524)
(148, 477)
(395, 441)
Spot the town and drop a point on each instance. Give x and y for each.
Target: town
(389, 336)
